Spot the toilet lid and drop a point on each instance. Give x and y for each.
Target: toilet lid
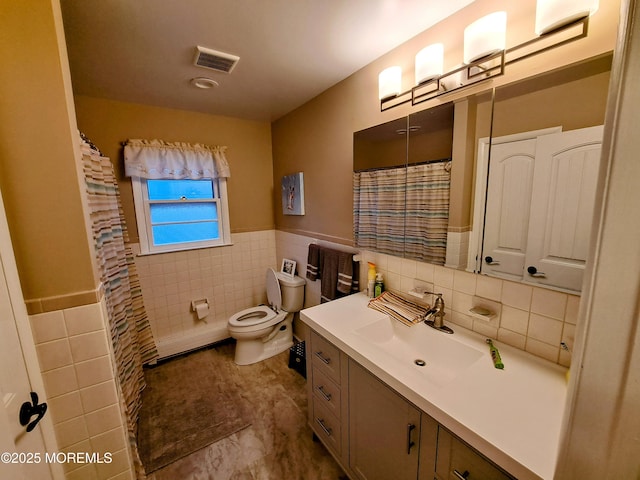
(252, 316)
(274, 295)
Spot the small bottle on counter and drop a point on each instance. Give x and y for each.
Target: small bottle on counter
(378, 287)
(371, 279)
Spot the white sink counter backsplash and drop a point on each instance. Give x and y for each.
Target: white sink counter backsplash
(533, 319)
(512, 416)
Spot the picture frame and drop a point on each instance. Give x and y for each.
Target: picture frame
(293, 194)
(288, 267)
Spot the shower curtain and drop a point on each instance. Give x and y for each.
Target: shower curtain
(378, 209)
(130, 331)
(427, 212)
(403, 211)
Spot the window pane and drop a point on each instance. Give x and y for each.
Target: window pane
(187, 212)
(182, 233)
(177, 189)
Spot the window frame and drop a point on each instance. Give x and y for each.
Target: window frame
(142, 203)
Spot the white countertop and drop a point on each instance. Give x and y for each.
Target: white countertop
(512, 416)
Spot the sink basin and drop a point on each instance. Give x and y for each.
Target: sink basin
(432, 354)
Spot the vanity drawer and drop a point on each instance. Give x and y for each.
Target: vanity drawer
(325, 356)
(326, 392)
(457, 461)
(327, 427)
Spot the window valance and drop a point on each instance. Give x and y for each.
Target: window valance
(156, 159)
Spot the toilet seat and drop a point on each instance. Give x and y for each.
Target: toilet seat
(255, 318)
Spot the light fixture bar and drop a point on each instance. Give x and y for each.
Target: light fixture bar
(396, 101)
(490, 66)
(519, 52)
(480, 70)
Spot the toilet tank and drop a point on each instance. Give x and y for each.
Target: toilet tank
(292, 292)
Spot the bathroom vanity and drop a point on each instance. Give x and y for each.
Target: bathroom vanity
(393, 401)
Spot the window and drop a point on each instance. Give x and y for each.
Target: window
(181, 214)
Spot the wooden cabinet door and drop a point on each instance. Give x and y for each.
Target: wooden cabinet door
(384, 429)
(457, 461)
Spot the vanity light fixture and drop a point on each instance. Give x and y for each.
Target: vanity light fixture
(485, 55)
(389, 83)
(429, 63)
(485, 36)
(553, 14)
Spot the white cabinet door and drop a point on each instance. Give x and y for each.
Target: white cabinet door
(507, 210)
(562, 202)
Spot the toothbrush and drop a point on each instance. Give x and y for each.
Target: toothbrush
(495, 355)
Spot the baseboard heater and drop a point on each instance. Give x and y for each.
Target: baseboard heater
(176, 345)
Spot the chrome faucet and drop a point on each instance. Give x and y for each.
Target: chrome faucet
(435, 315)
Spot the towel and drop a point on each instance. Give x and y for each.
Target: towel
(313, 262)
(397, 307)
(337, 271)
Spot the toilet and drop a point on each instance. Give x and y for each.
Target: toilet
(266, 330)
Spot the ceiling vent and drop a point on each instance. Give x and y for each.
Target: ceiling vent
(218, 61)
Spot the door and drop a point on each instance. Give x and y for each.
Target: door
(384, 429)
(23, 453)
(562, 202)
(508, 205)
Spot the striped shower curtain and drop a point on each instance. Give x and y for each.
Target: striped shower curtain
(427, 212)
(378, 209)
(130, 332)
(403, 211)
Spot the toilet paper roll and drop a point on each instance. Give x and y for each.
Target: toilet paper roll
(202, 310)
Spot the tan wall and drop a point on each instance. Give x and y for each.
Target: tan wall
(108, 123)
(574, 104)
(39, 155)
(317, 137)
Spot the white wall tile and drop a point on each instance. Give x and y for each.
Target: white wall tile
(83, 319)
(549, 303)
(543, 350)
(515, 320)
(464, 282)
(54, 354)
(517, 295)
(489, 287)
(545, 329)
(60, 381)
(512, 338)
(443, 277)
(573, 305)
(48, 326)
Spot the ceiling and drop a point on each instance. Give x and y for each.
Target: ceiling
(142, 51)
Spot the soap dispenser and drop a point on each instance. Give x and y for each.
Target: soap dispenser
(379, 286)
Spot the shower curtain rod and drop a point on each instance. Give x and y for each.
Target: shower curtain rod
(426, 162)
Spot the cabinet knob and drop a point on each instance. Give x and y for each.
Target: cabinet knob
(491, 261)
(533, 271)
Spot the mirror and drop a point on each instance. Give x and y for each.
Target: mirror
(481, 125)
(379, 163)
(401, 185)
(542, 169)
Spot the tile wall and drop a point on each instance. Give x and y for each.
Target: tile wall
(533, 319)
(77, 370)
(232, 278)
